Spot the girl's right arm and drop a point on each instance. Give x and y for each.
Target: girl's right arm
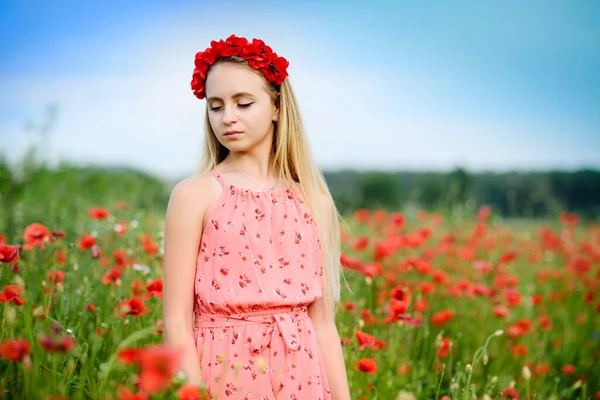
(188, 203)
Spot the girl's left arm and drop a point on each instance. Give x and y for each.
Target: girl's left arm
(330, 348)
(328, 337)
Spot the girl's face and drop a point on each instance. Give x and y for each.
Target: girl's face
(240, 110)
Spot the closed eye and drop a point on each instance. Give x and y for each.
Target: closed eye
(245, 105)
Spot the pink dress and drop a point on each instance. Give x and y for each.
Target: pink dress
(258, 268)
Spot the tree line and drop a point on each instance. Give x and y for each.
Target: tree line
(510, 194)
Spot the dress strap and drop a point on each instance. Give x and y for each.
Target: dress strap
(218, 177)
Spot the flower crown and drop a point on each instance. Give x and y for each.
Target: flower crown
(257, 53)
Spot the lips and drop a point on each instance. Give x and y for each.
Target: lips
(232, 133)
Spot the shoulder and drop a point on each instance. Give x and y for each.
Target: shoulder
(193, 194)
(326, 202)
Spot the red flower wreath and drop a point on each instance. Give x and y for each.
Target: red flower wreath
(258, 54)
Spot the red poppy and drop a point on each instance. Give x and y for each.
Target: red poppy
(126, 394)
(54, 343)
(444, 347)
(15, 349)
(568, 369)
(501, 312)
(367, 365)
(364, 339)
(36, 234)
(191, 392)
(442, 317)
(361, 243)
(56, 276)
(99, 213)
(510, 393)
(129, 355)
(86, 241)
(134, 307)
(8, 254)
(155, 288)
(150, 247)
(111, 276)
(518, 350)
(12, 293)
(569, 220)
(158, 365)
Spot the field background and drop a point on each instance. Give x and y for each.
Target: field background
(459, 140)
(454, 274)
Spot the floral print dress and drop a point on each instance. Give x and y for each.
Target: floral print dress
(258, 267)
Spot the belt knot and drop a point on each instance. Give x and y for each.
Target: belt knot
(283, 318)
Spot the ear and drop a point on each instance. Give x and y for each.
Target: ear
(276, 114)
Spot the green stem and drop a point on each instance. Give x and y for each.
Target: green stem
(467, 391)
(440, 384)
(135, 336)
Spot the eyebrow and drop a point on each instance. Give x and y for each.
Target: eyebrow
(235, 96)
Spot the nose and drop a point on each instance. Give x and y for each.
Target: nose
(229, 116)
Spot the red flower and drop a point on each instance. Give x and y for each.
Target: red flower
(129, 355)
(130, 307)
(501, 312)
(15, 349)
(111, 276)
(258, 55)
(126, 394)
(36, 234)
(362, 215)
(158, 365)
(361, 243)
(86, 241)
(150, 247)
(56, 343)
(12, 293)
(568, 369)
(155, 288)
(8, 254)
(367, 365)
(442, 317)
(569, 220)
(191, 392)
(56, 276)
(98, 213)
(444, 348)
(364, 339)
(518, 350)
(510, 393)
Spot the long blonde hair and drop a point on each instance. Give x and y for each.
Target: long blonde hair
(295, 162)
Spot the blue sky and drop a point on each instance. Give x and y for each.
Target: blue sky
(494, 85)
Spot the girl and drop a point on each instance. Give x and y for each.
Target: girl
(251, 257)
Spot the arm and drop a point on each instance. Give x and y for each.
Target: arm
(328, 337)
(183, 229)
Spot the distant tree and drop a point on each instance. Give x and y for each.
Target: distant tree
(379, 190)
(460, 185)
(431, 191)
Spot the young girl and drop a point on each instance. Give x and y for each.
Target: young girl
(251, 258)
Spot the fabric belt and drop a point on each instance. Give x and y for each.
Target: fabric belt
(284, 318)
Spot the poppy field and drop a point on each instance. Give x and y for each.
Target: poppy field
(433, 307)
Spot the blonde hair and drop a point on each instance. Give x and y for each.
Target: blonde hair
(294, 160)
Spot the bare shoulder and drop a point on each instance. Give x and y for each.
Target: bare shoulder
(326, 202)
(192, 195)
